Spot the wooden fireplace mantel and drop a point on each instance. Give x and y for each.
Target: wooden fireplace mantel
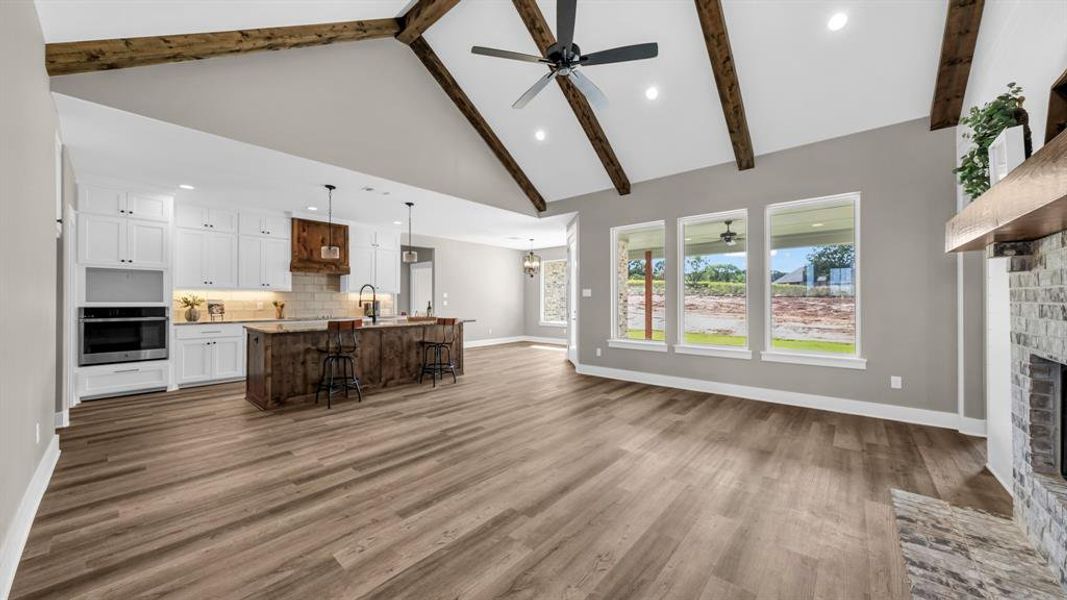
(1030, 203)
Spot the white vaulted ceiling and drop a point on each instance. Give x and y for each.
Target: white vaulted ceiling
(800, 82)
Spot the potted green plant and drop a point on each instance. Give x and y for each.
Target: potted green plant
(986, 123)
(189, 303)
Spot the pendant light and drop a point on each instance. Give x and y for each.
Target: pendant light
(409, 256)
(531, 263)
(329, 251)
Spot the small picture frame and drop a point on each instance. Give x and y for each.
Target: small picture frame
(216, 310)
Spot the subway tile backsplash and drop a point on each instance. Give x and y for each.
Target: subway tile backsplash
(313, 295)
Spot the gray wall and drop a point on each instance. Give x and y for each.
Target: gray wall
(904, 173)
(27, 257)
(369, 106)
(482, 283)
(532, 293)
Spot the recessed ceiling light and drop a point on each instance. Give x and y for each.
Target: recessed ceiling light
(312, 208)
(398, 222)
(652, 92)
(837, 21)
(540, 135)
(186, 186)
(816, 224)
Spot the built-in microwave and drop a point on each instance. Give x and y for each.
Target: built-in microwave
(123, 334)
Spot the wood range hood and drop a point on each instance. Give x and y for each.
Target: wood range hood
(308, 238)
(1029, 204)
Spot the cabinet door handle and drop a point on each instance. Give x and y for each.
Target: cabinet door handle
(128, 371)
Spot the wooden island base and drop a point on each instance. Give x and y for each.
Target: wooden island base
(284, 363)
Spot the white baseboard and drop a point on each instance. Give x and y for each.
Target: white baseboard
(62, 419)
(19, 531)
(918, 416)
(512, 340)
(972, 427)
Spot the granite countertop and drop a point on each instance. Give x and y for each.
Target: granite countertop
(279, 327)
(269, 320)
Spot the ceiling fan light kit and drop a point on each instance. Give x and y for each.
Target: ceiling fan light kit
(564, 58)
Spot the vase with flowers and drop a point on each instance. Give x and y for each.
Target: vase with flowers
(189, 303)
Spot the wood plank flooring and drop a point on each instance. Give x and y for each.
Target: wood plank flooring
(523, 481)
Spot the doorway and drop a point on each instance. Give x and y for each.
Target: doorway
(572, 292)
(421, 282)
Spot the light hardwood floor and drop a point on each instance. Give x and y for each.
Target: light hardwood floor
(525, 480)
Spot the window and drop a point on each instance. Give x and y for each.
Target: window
(554, 292)
(713, 276)
(638, 315)
(813, 308)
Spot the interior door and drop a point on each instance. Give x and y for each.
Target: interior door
(572, 291)
(146, 244)
(421, 287)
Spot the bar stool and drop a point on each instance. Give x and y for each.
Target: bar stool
(339, 355)
(437, 352)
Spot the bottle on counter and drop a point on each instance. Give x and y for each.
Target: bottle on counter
(429, 309)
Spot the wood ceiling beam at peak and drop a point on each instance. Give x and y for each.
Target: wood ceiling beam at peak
(957, 51)
(543, 37)
(421, 16)
(67, 58)
(717, 40)
(444, 78)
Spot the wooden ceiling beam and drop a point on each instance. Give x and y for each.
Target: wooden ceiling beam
(99, 55)
(444, 78)
(421, 16)
(957, 51)
(543, 37)
(717, 39)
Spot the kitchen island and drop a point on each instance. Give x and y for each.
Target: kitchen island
(284, 362)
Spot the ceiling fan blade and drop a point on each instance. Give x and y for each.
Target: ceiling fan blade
(508, 54)
(622, 54)
(589, 89)
(566, 12)
(534, 90)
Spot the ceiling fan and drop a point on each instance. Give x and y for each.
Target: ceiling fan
(729, 237)
(565, 57)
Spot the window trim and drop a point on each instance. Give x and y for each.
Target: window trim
(616, 342)
(541, 296)
(772, 354)
(721, 351)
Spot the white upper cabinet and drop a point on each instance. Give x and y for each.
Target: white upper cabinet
(146, 243)
(374, 258)
(114, 202)
(264, 263)
(205, 259)
(200, 217)
(265, 225)
(101, 240)
(111, 241)
(148, 206)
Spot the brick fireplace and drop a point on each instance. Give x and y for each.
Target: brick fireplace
(1038, 284)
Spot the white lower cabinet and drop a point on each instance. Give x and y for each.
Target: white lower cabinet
(208, 353)
(126, 378)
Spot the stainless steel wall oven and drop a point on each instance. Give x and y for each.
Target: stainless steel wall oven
(122, 334)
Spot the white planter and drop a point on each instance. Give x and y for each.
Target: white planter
(1005, 153)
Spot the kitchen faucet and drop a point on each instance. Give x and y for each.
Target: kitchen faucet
(373, 302)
